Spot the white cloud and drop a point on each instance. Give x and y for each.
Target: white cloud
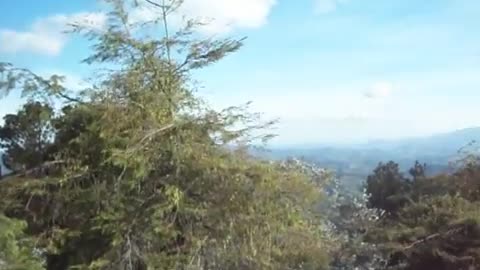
(379, 90)
(13, 42)
(46, 35)
(220, 16)
(327, 6)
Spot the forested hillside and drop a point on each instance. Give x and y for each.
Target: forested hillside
(138, 172)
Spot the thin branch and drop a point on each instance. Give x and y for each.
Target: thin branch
(155, 132)
(150, 135)
(183, 64)
(27, 206)
(20, 173)
(434, 236)
(119, 178)
(71, 99)
(41, 80)
(165, 28)
(153, 3)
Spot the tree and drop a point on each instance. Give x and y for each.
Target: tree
(437, 227)
(155, 179)
(387, 188)
(27, 136)
(418, 171)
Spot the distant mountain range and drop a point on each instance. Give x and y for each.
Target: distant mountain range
(354, 163)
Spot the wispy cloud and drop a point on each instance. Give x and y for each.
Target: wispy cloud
(46, 35)
(218, 16)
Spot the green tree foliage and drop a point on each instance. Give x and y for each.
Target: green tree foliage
(418, 171)
(387, 188)
(16, 249)
(147, 176)
(26, 136)
(437, 227)
(77, 135)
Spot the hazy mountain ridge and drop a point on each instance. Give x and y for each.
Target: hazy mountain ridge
(354, 163)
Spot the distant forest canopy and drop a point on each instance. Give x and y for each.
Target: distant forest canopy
(138, 173)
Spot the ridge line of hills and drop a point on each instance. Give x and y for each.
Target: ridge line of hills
(354, 163)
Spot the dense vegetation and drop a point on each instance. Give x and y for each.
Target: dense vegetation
(137, 172)
(428, 222)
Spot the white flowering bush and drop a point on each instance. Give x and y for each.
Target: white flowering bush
(347, 219)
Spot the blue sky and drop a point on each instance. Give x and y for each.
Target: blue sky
(332, 71)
